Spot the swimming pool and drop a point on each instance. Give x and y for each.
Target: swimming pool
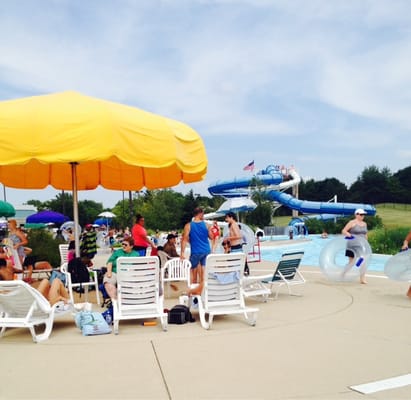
(312, 250)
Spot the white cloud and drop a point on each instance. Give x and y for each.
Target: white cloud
(294, 81)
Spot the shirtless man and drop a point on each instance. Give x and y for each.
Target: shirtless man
(234, 234)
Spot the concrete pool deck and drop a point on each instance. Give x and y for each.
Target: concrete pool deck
(314, 346)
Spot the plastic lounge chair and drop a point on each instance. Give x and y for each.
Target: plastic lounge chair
(22, 306)
(286, 273)
(63, 250)
(176, 270)
(222, 292)
(84, 285)
(138, 291)
(253, 286)
(164, 257)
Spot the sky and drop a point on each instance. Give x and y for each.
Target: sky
(323, 85)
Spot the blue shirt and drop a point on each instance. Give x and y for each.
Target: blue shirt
(199, 238)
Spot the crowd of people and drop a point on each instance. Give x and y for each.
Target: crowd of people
(198, 236)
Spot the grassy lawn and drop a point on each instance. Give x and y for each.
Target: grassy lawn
(395, 215)
(392, 215)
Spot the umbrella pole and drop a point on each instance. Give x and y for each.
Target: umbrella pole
(75, 207)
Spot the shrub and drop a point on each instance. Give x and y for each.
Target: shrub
(387, 241)
(44, 247)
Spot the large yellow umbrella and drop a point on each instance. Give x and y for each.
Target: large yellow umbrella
(76, 142)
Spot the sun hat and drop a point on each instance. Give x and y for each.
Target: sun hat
(360, 211)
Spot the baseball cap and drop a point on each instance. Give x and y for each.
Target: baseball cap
(360, 211)
(171, 236)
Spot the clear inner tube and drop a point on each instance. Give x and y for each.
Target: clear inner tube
(398, 267)
(336, 266)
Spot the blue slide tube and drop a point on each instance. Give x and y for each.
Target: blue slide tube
(273, 179)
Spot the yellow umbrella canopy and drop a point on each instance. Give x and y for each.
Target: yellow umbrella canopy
(76, 142)
(113, 145)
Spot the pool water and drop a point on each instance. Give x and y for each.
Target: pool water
(312, 250)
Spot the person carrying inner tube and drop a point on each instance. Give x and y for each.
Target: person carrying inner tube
(356, 227)
(405, 247)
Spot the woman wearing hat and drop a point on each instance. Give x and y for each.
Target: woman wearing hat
(355, 227)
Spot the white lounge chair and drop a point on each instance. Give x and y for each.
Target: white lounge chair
(176, 270)
(63, 250)
(286, 273)
(138, 291)
(222, 292)
(93, 282)
(22, 306)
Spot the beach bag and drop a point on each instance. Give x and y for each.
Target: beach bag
(180, 314)
(92, 323)
(79, 272)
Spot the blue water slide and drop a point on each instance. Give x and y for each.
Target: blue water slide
(239, 187)
(272, 178)
(317, 207)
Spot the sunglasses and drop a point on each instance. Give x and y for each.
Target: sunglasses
(226, 244)
(125, 244)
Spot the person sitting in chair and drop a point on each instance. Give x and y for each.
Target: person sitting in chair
(110, 279)
(31, 264)
(54, 291)
(7, 271)
(170, 245)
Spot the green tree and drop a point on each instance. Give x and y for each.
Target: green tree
(372, 186)
(323, 190)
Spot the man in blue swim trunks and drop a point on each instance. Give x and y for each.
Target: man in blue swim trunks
(197, 233)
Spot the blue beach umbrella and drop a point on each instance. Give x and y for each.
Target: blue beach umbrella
(46, 217)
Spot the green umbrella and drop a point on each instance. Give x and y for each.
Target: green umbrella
(6, 209)
(35, 225)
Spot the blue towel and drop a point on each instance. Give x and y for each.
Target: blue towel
(225, 278)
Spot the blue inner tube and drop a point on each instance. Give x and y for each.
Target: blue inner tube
(333, 262)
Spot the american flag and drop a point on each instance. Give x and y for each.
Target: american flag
(249, 166)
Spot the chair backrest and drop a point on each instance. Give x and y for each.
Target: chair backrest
(288, 265)
(138, 283)
(177, 269)
(164, 257)
(19, 300)
(223, 279)
(63, 250)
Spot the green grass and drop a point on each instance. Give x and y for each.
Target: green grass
(395, 215)
(392, 215)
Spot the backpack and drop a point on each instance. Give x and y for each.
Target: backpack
(180, 314)
(78, 271)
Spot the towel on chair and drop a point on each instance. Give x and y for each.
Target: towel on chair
(228, 277)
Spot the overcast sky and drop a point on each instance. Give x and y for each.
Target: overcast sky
(323, 85)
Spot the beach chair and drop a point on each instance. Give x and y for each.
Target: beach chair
(63, 250)
(93, 282)
(164, 257)
(138, 291)
(222, 293)
(286, 273)
(22, 306)
(176, 269)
